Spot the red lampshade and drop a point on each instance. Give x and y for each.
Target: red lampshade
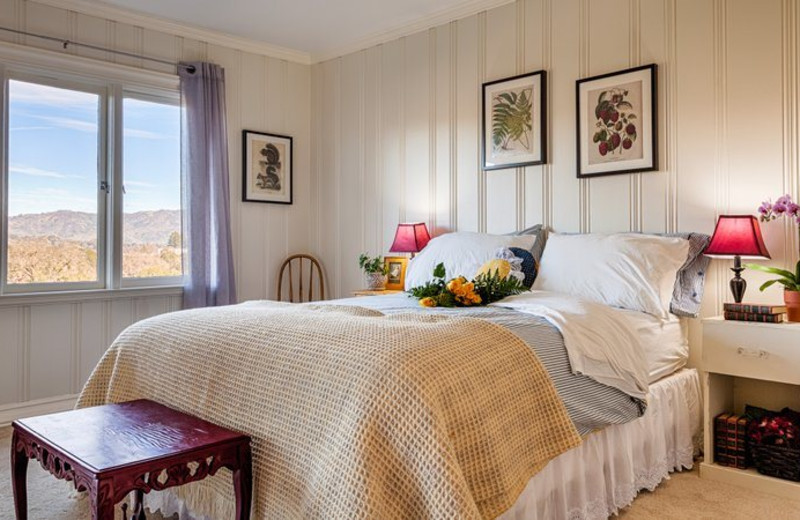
(410, 238)
(737, 235)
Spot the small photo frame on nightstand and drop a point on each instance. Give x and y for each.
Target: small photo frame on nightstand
(395, 272)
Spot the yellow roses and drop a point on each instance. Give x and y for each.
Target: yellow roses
(463, 291)
(494, 282)
(428, 302)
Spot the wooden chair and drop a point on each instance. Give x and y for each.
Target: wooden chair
(313, 265)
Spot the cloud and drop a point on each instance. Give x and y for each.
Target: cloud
(23, 128)
(72, 124)
(144, 134)
(140, 184)
(36, 94)
(38, 172)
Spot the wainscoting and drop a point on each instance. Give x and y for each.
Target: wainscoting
(50, 344)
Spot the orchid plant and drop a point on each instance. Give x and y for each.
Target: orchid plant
(783, 207)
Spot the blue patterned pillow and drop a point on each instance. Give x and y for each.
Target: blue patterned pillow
(688, 293)
(529, 266)
(541, 237)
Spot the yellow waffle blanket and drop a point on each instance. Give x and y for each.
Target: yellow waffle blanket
(353, 414)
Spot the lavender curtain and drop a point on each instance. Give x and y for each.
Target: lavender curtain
(204, 156)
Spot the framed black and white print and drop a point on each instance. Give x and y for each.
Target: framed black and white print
(514, 121)
(616, 126)
(266, 167)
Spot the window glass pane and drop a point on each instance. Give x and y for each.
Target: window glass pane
(152, 202)
(52, 184)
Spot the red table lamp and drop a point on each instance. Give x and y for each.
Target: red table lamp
(410, 238)
(737, 236)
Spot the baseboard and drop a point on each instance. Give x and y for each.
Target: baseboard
(12, 412)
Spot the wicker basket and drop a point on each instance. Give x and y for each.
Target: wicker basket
(776, 461)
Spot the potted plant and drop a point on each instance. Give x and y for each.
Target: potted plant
(375, 270)
(783, 207)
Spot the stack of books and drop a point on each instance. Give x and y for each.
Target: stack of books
(755, 312)
(730, 440)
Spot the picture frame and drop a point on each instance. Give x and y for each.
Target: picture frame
(514, 121)
(395, 272)
(607, 107)
(267, 163)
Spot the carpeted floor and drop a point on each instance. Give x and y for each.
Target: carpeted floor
(685, 496)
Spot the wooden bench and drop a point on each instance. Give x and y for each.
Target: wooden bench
(113, 450)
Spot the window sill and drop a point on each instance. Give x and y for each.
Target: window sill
(87, 295)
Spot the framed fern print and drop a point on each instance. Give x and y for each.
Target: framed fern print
(514, 121)
(617, 122)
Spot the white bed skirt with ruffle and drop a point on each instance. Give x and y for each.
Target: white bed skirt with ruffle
(606, 472)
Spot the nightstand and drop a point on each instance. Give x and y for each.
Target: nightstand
(748, 363)
(370, 292)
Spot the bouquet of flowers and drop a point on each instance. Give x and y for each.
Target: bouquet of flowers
(493, 282)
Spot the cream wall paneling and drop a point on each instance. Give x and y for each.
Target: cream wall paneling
(263, 93)
(396, 127)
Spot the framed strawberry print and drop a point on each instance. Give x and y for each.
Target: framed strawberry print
(616, 126)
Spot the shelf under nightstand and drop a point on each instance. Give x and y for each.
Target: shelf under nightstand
(739, 357)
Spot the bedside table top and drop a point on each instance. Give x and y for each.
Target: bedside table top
(371, 292)
(788, 325)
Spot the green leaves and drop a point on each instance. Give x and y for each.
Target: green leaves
(372, 265)
(491, 287)
(511, 118)
(790, 280)
(439, 271)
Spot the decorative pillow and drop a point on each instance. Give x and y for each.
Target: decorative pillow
(462, 254)
(690, 284)
(528, 265)
(629, 271)
(540, 233)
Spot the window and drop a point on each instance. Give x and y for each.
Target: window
(151, 229)
(53, 144)
(71, 144)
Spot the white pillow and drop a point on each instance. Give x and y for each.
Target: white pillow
(462, 253)
(626, 270)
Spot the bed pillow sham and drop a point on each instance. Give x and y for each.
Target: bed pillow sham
(629, 271)
(462, 253)
(687, 295)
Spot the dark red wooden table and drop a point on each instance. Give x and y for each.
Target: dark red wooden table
(113, 450)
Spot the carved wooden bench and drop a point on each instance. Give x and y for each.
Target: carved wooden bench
(138, 446)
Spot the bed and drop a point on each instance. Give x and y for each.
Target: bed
(614, 413)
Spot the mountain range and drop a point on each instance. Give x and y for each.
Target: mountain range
(141, 227)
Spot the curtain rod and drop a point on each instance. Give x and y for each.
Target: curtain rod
(66, 43)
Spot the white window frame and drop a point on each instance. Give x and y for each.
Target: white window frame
(156, 96)
(112, 82)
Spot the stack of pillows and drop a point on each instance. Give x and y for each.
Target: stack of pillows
(655, 274)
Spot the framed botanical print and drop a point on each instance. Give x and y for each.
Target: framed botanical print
(616, 126)
(395, 272)
(514, 121)
(266, 167)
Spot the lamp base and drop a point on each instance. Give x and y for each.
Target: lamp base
(738, 284)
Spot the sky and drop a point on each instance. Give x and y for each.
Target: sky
(53, 151)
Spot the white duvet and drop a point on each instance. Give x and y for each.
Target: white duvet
(600, 341)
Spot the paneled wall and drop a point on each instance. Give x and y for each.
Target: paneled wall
(396, 126)
(51, 347)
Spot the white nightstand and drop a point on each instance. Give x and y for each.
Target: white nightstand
(737, 356)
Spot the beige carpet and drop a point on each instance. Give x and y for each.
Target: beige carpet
(685, 496)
